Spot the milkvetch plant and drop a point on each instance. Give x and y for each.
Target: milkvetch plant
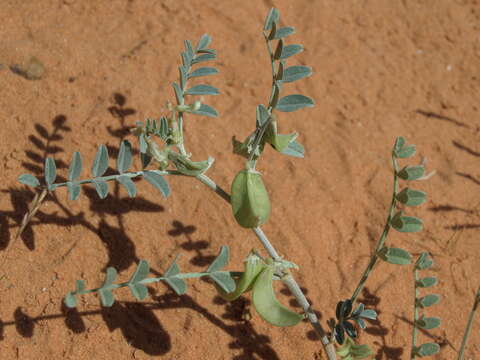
(163, 153)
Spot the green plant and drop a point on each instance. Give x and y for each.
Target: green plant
(249, 200)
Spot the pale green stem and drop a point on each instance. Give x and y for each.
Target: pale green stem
(383, 237)
(469, 325)
(415, 314)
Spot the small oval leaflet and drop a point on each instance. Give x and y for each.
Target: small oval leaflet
(273, 16)
(138, 289)
(406, 152)
(158, 181)
(290, 50)
(395, 256)
(100, 164)
(284, 32)
(101, 187)
(423, 261)
(75, 166)
(297, 72)
(203, 57)
(73, 190)
(291, 103)
(202, 90)
(178, 285)
(50, 171)
(129, 185)
(427, 282)
(124, 159)
(411, 172)
(406, 223)
(205, 110)
(427, 349)
(29, 180)
(428, 323)
(106, 296)
(203, 71)
(411, 197)
(429, 300)
(204, 41)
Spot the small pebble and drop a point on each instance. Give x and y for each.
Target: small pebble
(32, 70)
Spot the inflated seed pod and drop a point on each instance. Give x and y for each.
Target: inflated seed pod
(267, 304)
(250, 202)
(253, 266)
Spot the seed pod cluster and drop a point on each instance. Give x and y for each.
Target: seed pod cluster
(250, 201)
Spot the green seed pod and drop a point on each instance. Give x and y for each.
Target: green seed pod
(250, 202)
(267, 304)
(253, 266)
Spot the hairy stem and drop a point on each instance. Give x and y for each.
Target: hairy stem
(287, 280)
(469, 325)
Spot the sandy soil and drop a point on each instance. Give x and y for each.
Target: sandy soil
(381, 69)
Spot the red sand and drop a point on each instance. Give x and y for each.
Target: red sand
(381, 69)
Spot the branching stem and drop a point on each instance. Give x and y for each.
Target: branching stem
(288, 280)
